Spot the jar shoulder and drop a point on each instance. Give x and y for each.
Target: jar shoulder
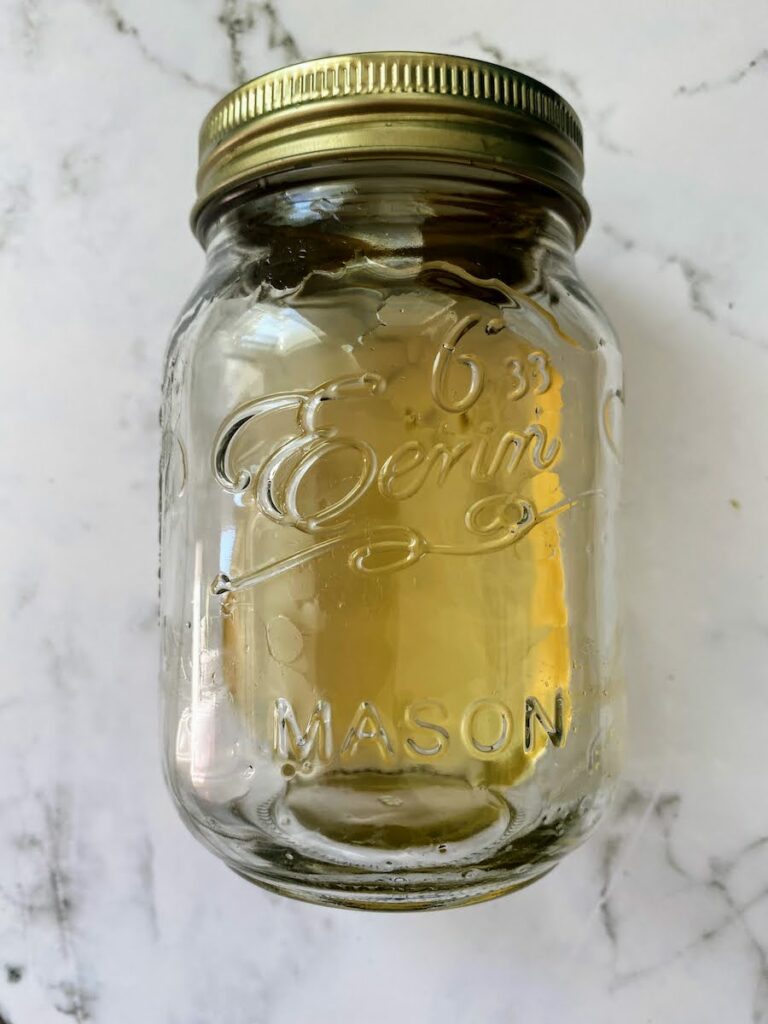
(577, 310)
(236, 307)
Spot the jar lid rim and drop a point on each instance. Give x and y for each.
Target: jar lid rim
(390, 103)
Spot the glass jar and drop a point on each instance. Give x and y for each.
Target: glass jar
(390, 458)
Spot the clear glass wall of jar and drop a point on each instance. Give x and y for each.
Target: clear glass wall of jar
(390, 457)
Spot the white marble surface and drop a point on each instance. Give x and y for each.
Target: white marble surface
(109, 911)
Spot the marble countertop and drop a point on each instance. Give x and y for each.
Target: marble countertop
(109, 912)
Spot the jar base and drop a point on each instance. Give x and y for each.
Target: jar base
(468, 870)
(413, 817)
(389, 900)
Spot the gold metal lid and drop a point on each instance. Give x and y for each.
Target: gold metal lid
(391, 105)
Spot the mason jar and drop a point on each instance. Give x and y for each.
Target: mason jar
(391, 426)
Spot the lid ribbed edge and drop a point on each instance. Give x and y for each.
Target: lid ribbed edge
(371, 74)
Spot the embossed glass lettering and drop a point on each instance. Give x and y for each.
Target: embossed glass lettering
(412, 721)
(289, 739)
(535, 713)
(446, 354)
(486, 728)
(367, 726)
(410, 456)
(498, 713)
(278, 481)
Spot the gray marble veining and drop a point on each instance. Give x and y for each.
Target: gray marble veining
(110, 913)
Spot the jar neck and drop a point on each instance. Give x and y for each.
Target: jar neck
(505, 228)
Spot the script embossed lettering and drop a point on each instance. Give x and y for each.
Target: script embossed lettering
(446, 355)
(278, 480)
(289, 485)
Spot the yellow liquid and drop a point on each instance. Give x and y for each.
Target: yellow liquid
(429, 612)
